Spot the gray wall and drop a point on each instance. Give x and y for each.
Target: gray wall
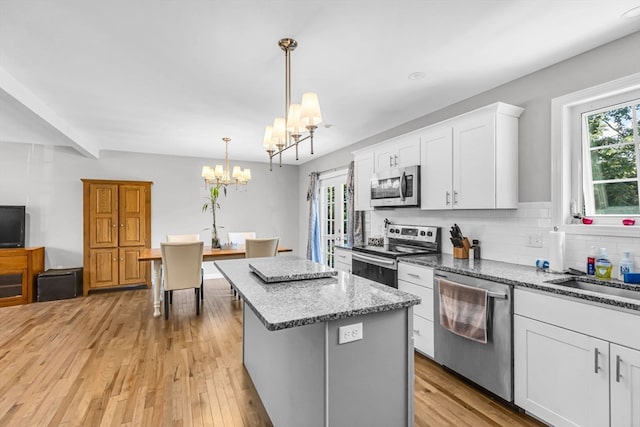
(47, 180)
(533, 92)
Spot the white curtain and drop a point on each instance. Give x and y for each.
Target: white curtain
(354, 218)
(314, 252)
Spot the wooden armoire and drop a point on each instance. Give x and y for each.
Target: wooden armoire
(117, 226)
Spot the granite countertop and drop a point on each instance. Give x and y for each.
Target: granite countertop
(526, 277)
(296, 303)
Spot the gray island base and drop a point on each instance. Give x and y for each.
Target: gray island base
(291, 349)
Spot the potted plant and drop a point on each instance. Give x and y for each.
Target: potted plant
(212, 203)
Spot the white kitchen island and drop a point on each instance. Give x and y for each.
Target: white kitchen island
(292, 353)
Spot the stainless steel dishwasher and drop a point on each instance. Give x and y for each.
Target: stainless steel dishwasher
(489, 365)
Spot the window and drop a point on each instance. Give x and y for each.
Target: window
(333, 208)
(595, 157)
(610, 145)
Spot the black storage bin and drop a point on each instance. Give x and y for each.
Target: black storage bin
(61, 283)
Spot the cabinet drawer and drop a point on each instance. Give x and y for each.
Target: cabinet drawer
(425, 308)
(341, 266)
(13, 263)
(423, 335)
(342, 256)
(422, 276)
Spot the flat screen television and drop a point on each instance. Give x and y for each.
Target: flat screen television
(12, 224)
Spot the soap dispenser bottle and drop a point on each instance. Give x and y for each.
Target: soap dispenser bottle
(626, 265)
(603, 265)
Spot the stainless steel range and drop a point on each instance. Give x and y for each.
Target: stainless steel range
(380, 263)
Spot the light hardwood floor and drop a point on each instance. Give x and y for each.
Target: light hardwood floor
(104, 360)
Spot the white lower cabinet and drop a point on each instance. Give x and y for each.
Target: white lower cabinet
(418, 280)
(558, 381)
(573, 365)
(342, 259)
(625, 386)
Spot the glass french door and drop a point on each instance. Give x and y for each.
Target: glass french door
(333, 214)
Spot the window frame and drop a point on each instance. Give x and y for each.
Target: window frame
(566, 148)
(586, 196)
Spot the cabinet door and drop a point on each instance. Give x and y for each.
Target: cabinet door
(385, 157)
(560, 376)
(407, 151)
(103, 215)
(363, 169)
(132, 215)
(625, 386)
(474, 159)
(131, 270)
(103, 267)
(436, 172)
(423, 336)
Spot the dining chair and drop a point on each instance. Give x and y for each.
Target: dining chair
(261, 247)
(182, 264)
(240, 236)
(188, 238)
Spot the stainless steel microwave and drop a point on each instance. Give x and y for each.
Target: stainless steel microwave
(396, 187)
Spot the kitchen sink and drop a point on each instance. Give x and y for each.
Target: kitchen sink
(628, 291)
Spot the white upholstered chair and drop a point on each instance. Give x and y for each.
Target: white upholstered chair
(182, 265)
(188, 238)
(239, 237)
(255, 248)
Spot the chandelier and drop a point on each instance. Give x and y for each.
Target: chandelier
(287, 133)
(223, 175)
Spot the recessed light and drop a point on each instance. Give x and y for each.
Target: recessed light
(632, 13)
(418, 75)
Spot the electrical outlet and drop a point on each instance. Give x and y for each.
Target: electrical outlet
(349, 333)
(534, 240)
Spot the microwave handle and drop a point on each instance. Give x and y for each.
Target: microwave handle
(403, 185)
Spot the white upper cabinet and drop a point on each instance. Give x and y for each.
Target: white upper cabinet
(398, 152)
(436, 174)
(362, 170)
(471, 161)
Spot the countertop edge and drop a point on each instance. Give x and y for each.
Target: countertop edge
(439, 262)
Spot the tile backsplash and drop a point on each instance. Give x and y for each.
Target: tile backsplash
(518, 236)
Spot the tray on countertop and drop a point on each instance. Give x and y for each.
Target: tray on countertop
(271, 271)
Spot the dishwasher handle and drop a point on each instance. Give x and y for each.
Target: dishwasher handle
(490, 294)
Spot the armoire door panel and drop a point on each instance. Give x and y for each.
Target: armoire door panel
(131, 270)
(103, 216)
(104, 267)
(132, 215)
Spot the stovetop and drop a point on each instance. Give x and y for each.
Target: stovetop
(392, 250)
(406, 240)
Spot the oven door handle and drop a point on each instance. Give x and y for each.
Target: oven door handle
(364, 258)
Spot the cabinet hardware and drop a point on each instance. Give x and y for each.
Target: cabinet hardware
(595, 359)
(395, 161)
(414, 275)
(618, 360)
(390, 161)
(455, 197)
(416, 332)
(448, 197)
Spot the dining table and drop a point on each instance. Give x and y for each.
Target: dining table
(154, 255)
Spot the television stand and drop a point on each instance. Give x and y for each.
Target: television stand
(19, 269)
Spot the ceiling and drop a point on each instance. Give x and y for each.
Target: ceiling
(174, 77)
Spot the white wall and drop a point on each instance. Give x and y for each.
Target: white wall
(47, 180)
(534, 92)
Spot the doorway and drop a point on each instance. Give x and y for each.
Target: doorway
(333, 213)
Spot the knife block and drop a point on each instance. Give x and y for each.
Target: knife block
(463, 252)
